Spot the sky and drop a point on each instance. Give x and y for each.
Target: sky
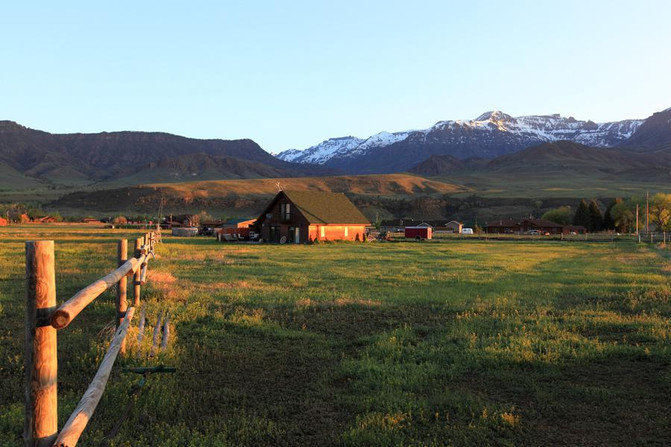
(289, 74)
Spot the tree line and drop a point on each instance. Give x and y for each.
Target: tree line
(619, 215)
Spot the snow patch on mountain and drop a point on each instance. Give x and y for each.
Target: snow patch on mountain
(533, 128)
(322, 152)
(341, 147)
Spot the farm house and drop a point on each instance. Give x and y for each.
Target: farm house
(305, 216)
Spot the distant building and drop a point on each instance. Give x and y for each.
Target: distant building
(306, 216)
(396, 225)
(454, 227)
(235, 228)
(419, 232)
(522, 226)
(183, 220)
(3, 222)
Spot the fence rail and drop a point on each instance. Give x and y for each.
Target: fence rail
(44, 319)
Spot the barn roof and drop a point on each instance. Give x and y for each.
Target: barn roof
(320, 207)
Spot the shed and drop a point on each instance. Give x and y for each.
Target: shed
(454, 227)
(306, 216)
(419, 232)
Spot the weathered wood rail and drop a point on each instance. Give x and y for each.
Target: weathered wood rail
(44, 319)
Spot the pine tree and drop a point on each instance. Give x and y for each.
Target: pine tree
(582, 216)
(595, 217)
(608, 222)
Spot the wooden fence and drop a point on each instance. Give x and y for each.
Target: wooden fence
(44, 319)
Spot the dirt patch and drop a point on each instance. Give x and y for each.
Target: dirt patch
(161, 277)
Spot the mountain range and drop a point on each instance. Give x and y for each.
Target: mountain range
(491, 135)
(492, 143)
(32, 157)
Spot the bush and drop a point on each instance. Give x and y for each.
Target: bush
(119, 220)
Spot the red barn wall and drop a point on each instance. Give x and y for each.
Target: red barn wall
(337, 232)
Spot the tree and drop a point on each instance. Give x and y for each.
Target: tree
(595, 217)
(561, 215)
(203, 216)
(378, 222)
(660, 211)
(608, 222)
(624, 214)
(119, 220)
(623, 217)
(582, 216)
(35, 213)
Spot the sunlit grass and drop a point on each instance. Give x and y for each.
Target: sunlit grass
(460, 342)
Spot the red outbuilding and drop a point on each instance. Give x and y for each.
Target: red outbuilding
(420, 232)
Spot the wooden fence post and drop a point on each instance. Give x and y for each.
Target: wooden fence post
(122, 287)
(41, 364)
(136, 278)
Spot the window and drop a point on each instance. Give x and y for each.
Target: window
(285, 211)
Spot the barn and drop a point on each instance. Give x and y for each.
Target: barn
(305, 216)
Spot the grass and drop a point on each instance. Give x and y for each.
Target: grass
(458, 342)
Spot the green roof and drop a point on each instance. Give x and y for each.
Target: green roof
(326, 207)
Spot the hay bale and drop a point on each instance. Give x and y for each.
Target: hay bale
(185, 231)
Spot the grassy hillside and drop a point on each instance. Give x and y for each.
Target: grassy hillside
(245, 197)
(11, 179)
(426, 344)
(385, 184)
(550, 184)
(559, 169)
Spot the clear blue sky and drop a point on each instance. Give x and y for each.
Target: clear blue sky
(292, 73)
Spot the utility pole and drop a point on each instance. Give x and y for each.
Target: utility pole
(647, 211)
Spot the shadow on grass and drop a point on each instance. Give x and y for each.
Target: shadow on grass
(271, 373)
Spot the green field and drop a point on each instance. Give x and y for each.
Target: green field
(457, 342)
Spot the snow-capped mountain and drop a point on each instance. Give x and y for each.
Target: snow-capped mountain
(490, 135)
(322, 152)
(341, 147)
